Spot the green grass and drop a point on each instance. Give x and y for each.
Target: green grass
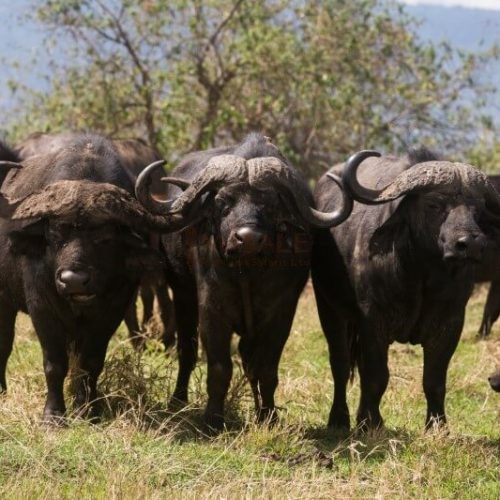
(139, 450)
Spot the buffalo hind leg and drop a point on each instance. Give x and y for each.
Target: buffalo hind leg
(134, 331)
(7, 327)
(491, 309)
(374, 377)
(167, 316)
(147, 297)
(186, 310)
(90, 358)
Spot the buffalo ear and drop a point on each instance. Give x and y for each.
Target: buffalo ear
(390, 233)
(28, 239)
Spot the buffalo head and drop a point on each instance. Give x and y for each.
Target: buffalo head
(91, 235)
(448, 208)
(254, 206)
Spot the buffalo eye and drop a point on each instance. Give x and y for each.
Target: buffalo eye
(433, 206)
(103, 240)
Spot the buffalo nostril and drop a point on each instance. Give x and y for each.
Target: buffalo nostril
(249, 235)
(461, 244)
(245, 240)
(74, 278)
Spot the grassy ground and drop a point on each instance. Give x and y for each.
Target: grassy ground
(141, 451)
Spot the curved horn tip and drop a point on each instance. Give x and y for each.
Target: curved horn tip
(350, 181)
(144, 178)
(362, 155)
(180, 183)
(142, 190)
(10, 164)
(335, 178)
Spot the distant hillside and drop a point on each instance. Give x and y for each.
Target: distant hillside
(469, 29)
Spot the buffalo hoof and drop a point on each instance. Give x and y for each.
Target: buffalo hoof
(214, 424)
(168, 341)
(267, 416)
(435, 422)
(176, 404)
(88, 411)
(54, 418)
(340, 421)
(367, 424)
(138, 343)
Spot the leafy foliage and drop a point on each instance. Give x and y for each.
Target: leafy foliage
(323, 78)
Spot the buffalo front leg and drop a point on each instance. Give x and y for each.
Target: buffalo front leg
(216, 339)
(55, 366)
(7, 326)
(491, 309)
(374, 377)
(52, 335)
(437, 355)
(336, 333)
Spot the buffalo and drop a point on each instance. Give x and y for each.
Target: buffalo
(494, 381)
(73, 248)
(401, 268)
(489, 270)
(135, 155)
(237, 263)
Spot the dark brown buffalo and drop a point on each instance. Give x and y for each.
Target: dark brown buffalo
(494, 381)
(401, 268)
(489, 270)
(73, 248)
(239, 264)
(135, 155)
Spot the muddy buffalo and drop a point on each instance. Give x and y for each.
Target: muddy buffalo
(135, 155)
(401, 268)
(72, 251)
(239, 264)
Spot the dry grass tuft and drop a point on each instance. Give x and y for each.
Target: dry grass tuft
(140, 449)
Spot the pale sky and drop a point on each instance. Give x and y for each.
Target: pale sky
(476, 4)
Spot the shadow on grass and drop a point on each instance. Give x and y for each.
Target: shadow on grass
(374, 444)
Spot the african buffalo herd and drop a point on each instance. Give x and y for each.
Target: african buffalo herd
(394, 246)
